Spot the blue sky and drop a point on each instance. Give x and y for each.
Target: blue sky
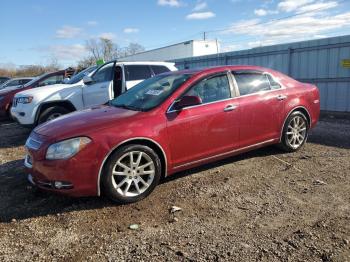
(35, 31)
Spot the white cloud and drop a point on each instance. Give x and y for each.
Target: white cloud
(171, 3)
(260, 12)
(68, 32)
(108, 35)
(200, 6)
(264, 12)
(292, 5)
(318, 6)
(131, 30)
(302, 27)
(200, 15)
(92, 23)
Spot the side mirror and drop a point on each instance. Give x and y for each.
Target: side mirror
(65, 81)
(87, 80)
(187, 101)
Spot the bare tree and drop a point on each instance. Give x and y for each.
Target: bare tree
(102, 48)
(134, 48)
(131, 49)
(105, 49)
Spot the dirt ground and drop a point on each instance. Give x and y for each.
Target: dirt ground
(261, 206)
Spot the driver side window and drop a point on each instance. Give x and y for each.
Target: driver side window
(210, 90)
(55, 79)
(104, 74)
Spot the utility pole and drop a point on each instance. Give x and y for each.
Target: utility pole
(204, 36)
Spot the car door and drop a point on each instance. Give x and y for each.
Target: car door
(206, 130)
(135, 74)
(100, 90)
(262, 106)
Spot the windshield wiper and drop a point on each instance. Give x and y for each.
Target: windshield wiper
(134, 108)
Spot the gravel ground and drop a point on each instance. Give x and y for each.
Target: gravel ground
(261, 206)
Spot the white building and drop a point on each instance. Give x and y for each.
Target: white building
(181, 50)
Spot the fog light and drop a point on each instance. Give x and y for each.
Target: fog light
(61, 185)
(58, 184)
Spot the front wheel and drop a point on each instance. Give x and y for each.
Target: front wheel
(52, 113)
(295, 132)
(131, 174)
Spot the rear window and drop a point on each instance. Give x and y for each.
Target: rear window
(251, 82)
(137, 72)
(159, 69)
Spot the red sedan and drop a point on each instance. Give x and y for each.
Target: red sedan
(166, 124)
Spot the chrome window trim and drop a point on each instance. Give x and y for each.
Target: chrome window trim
(225, 153)
(189, 107)
(121, 143)
(232, 92)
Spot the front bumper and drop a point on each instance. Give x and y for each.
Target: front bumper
(74, 177)
(22, 117)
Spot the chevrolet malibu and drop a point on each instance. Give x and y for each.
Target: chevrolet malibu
(168, 123)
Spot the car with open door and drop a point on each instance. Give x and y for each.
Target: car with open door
(166, 124)
(91, 87)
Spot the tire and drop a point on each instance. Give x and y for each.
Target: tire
(123, 184)
(52, 113)
(295, 132)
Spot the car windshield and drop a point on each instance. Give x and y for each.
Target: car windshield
(75, 79)
(34, 80)
(3, 85)
(150, 93)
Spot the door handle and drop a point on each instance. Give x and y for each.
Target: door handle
(281, 97)
(103, 86)
(230, 108)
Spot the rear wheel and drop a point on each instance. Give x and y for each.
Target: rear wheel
(131, 174)
(295, 132)
(52, 113)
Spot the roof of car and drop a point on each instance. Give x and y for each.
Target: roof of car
(143, 63)
(18, 78)
(214, 69)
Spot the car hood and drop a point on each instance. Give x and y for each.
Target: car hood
(81, 123)
(8, 90)
(43, 90)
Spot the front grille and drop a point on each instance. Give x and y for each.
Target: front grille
(14, 102)
(33, 144)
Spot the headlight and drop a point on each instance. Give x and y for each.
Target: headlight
(24, 99)
(67, 148)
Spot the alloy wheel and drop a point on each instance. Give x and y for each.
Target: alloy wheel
(296, 132)
(133, 173)
(53, 116)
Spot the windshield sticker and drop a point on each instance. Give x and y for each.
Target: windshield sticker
(154, 92)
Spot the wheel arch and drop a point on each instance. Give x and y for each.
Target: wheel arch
(301, 109)
(64, 103)
(140, 141)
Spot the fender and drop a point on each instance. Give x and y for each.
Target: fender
(120, 144)
(290, 112)
(55, 102)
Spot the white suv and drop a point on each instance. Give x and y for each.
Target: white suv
(38, 105)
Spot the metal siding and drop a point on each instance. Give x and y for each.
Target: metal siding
(315, 61)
